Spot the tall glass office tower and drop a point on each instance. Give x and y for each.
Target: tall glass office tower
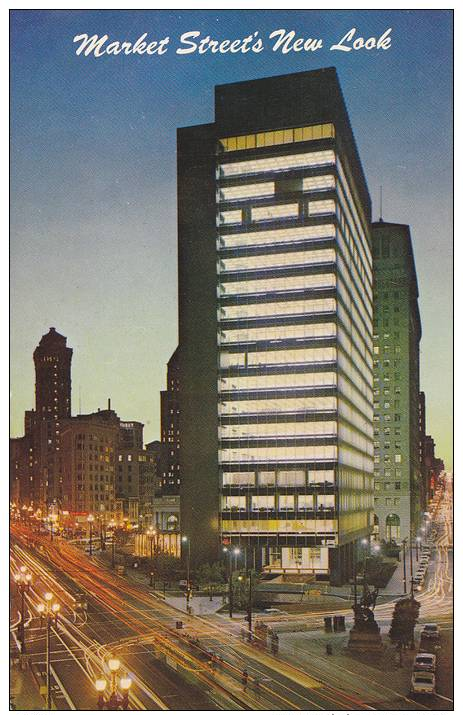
(276, 343)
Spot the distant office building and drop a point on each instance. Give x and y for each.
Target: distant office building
(424, 478)
(38, 455)
(136, 475)
(170, 428)
(89, 445)
(52, 360)
(396, 345)
(433, 466)
(131, 435)
(275, 328)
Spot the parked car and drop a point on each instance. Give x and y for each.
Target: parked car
(431, 631)
(275, 611)
(417, 579)
(423, 683)
(425, 661)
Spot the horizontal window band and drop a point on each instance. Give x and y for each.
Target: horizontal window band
(312, 489)
(260, 322)
(276, 394)
(262, 345)
(321, 465)
(290, 369)
(228, 231)
(243, 442)
(255, 162)
(274, 297)
(269, 466)
(304, 173)
(263, 540)
(245, 514)
(275, 248)
(296, 343)
(278, 199)
(283, 272)
(283, 417)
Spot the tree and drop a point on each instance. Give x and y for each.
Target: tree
(167, 568)
(209, 576)
(404, 620)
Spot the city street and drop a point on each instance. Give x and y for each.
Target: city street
(170, 667)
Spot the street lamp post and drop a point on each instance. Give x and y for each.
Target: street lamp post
(417, 543)
(250, 595)
(23, 580)
(102, 533)
(112, 526)
(115, 701)
(365, 551)
(50, 611)
(151, 533)
(405, 567)
(411, 568)
(90, 519)
(231, 552)
(186, 540)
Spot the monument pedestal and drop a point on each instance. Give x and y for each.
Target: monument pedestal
(365, 639)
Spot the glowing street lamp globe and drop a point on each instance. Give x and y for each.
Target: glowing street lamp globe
(114, 664)
(100, 684)
(125, 682)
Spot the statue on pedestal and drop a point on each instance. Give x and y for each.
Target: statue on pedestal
(365, 634)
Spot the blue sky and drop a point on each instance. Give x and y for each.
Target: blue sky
(93, 181)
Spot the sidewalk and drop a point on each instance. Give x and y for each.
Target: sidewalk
(199, 605)
(24, 691)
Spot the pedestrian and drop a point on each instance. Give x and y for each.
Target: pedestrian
(244, 679)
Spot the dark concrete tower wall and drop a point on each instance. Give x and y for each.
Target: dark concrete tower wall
(52, 359)
(197, 357)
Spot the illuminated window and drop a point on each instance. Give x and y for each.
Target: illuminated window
(278, 136)
(247, 191)
(226, 217)
(271, 213)
(278, 163)
(321, 207)
(286, 501)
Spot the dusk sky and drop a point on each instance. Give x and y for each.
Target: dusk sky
(93, 182)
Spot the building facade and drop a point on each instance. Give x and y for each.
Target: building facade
(275, 328)
(38, 455)
(170, 428)
(136, 474)
(396, 341)
(89, 446)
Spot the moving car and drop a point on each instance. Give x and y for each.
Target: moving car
(431, 631)
(423, 682)
(425, 661)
